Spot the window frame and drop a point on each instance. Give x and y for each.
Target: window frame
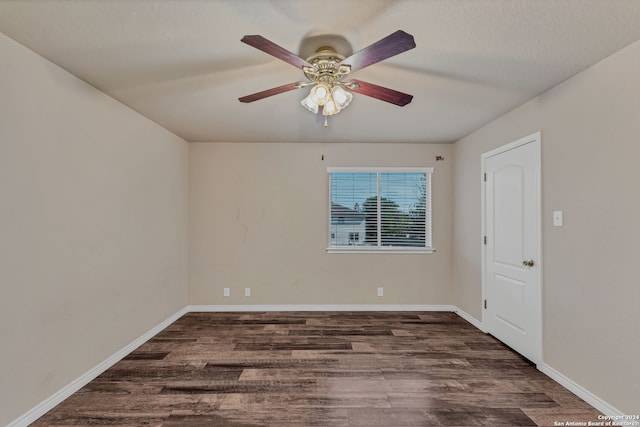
(428, 171)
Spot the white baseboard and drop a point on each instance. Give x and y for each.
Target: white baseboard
(475, 322)
(579, 391)
(57, 398)
(319, 307)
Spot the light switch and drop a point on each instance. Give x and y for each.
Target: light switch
(558, 220)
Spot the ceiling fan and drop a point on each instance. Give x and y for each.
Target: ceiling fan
(327, 71)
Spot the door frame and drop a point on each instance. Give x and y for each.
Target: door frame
(534, 138)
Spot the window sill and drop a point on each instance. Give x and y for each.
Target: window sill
(377, 250)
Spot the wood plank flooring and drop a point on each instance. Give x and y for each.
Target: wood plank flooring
(333, 369)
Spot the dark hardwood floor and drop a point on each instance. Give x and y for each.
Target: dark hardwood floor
(321, 369)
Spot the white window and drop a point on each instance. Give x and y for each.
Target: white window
(380, 209)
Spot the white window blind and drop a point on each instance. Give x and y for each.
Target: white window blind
(382, 209)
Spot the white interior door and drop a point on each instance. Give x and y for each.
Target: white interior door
(512, 249)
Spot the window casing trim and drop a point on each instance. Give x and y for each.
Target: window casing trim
(365, 169)
(377, 250)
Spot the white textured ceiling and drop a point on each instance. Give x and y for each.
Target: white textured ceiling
(181, 62)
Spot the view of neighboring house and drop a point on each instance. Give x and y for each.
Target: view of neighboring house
(347, 225)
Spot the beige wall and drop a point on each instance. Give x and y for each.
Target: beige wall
(93, 201)
(590, 154)
(258, 218)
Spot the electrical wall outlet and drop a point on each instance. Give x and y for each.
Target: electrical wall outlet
(247, 292)
(227, 292)
(380, 292)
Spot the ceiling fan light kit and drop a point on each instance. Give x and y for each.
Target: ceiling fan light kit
(332, 99)
(327, 70)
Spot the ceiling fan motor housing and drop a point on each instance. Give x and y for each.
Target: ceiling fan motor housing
(326, 67)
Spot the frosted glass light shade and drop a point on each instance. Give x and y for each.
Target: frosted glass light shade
(310, 104)
(330, 108)
(341, 97)
(321, 93)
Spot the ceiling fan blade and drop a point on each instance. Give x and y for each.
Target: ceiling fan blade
(273, 49)
(387, 47)
(382, 93)
(270, 92)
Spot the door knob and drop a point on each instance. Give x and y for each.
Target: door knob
(528, 263)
